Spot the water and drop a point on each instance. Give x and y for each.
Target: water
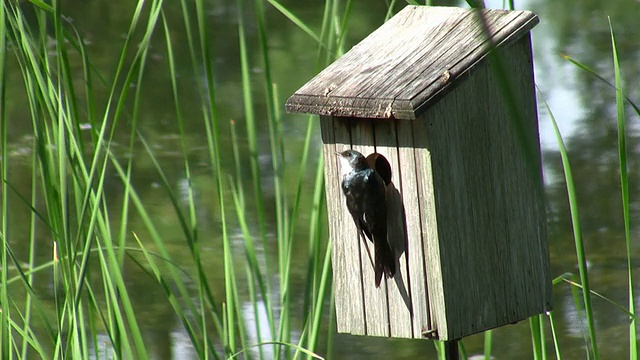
(583, 105)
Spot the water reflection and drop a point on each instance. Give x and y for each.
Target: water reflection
(583, 104)
(177, 346)
(181, 347)
(104, 350)
(257, 323)
(576, 320)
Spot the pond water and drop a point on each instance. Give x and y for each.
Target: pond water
(583, 105)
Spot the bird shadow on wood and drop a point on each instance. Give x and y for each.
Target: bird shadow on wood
(397, 236)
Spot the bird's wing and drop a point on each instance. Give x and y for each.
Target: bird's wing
(375, 205)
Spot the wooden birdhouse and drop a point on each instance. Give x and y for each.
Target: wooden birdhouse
(447, 96)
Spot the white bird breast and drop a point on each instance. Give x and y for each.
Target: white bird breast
(345, 167)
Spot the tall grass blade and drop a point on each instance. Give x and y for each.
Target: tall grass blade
(190, 229)
(537, 337)
(252, 139)
(177, 306)
(232, 310)
(577, 234)
(568, 278)
(26, 341)
(318, 287)
(252, 268)
(488, 341)
(589, 70)
(294, 19)
(5, 316)
(251, 128)
(554, 335)
(293, 346)
(624, 189)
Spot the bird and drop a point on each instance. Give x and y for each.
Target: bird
(365, 193)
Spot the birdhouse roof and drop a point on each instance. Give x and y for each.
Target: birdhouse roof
(407, 63)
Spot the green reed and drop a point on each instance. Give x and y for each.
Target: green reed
(69, 173)
(583, 286)
(67, 199)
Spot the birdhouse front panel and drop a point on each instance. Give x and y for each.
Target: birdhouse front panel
(399, 308)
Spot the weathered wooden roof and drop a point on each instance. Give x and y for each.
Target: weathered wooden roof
(397, 71)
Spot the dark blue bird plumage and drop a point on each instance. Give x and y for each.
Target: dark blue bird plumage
(365, 194)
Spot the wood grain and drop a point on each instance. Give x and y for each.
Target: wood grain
(399, 295)
(395, 74)
(416, 202)
(466, 190)
(376, 307)
(345, 248)
(492, 255)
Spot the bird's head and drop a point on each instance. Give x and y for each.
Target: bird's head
(351, 160)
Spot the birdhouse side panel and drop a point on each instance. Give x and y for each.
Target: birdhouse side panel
(463, 208)
(463, 189)
(521, 157)
(486, 173)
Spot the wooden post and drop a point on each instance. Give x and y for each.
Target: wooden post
(451, 351)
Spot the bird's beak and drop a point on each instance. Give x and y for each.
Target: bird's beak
(338, 154)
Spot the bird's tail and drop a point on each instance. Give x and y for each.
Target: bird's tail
(385, 260)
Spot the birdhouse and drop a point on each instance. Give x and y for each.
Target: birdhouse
(447, 97)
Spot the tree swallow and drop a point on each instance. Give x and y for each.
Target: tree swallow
(365, 193)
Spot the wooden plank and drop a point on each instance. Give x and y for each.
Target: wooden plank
(351, 107)
(436, 320)
(453, 40)
(362, 60)
(400, 303)
(404, 53)
(346, 253)
(458, 50)
(463, 192)
(375, 299)
(395, 74)
(504, 31)
(414, 201)
(332, 192)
